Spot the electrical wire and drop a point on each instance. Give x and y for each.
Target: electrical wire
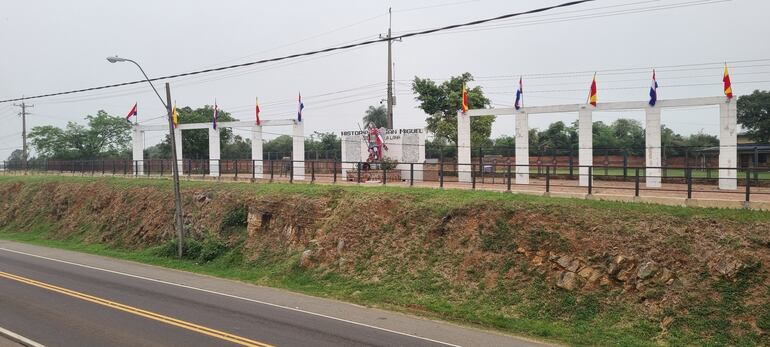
(315, 52)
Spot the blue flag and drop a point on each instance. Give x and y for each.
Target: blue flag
(653, 90)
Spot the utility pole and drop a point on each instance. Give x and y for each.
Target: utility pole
(390, 70)
(175, 169)
(23, 114)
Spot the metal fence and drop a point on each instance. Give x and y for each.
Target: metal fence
(607, 178)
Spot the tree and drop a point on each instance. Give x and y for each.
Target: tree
(195, 142)
(16, 155)
(377, 115)
(441, 103)
(105, 136)
(754, 115)
(281, 145)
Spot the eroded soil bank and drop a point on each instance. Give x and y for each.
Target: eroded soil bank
(580, 272)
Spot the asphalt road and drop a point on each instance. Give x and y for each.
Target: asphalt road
(61, 298)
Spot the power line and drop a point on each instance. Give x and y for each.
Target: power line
(309, 53)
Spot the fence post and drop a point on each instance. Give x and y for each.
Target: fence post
(689, 183)
(509, 177)
(189, 168)
(161, 167)
(636, 183)
(548, 179)
(473, 177)
(411, 174)
(756, 164)
(291, 171)
(136, 168)
(748, 185)
(625, 165)
(236, 169)
(334, 170)
(441, 174)
(271, 169)
(590, 180)
(312, 169)
(358, 173)
(384, 174)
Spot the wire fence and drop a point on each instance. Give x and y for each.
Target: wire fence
(734, 183)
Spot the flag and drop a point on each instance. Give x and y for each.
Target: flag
(131, 113)
(592, 93)
(728, 85)
(465, 99)
(258, 121)
(299, 107)
(175, 116)
(216, 114)
(519, 95)
(653, 90)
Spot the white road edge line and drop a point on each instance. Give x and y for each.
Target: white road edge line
(231, 296)
(18, 338)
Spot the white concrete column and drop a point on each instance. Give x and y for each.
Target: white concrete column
(214, 155)
(728, 145)
(298, 150)
(178, 142)
(652, 147)
(418, 168)
(256, 151)
(585, 143)
(522, 147)
(137, 141)
(463, 147)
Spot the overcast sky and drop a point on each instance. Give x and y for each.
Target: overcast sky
(50, 46)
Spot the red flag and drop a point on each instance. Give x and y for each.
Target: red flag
(465, 99)
(131, 113)
(592, 93)
(728, 85)
(258, 121)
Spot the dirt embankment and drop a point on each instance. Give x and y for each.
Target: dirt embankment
(673, 270)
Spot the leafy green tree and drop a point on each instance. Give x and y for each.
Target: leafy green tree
(105, 136)
(16, 155)
(377, 115)
(442, 101)
(279, 146)
(195, 142)
(754, 115)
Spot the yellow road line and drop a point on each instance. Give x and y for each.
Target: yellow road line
(139, 312)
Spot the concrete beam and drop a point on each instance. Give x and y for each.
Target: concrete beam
(605, 106)
(221, 125)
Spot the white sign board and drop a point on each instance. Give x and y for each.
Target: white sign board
(404, 145)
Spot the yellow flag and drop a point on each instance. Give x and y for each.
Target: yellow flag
(175, 116)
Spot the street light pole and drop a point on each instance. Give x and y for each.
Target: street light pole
(178, 219)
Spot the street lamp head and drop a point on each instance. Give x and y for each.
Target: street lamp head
(116, 59)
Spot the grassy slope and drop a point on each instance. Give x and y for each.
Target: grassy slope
(575, 319)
